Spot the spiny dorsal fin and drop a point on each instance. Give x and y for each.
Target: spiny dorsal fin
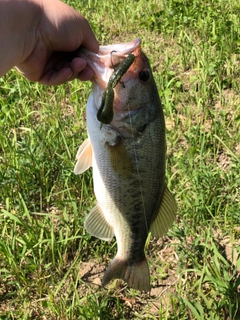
(165, 216)
(84, 157)
(97, 226)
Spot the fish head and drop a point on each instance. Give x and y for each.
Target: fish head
(136, 101)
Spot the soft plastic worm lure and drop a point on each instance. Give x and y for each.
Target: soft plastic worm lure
(120, 70)
(105, 112)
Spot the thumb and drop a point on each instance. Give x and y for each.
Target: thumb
(89, 40)
(65, 29)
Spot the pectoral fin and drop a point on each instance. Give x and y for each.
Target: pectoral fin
(97, 225)
(84, 157)
(120, 160)
(165, 216)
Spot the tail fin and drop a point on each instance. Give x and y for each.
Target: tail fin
(136, 275)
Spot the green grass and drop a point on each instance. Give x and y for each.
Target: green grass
(49, 266)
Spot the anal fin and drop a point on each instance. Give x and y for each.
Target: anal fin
(165, 216)
(97, 225)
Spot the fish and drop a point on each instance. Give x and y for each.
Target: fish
(128, 159)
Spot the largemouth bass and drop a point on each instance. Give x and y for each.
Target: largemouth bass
(128, 160)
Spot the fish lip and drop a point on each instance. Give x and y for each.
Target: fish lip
(123, 49)
(108, 57)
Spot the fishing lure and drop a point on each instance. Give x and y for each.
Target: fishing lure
(120, 70)
(105, 112)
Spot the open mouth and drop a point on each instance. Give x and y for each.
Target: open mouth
(109, 57)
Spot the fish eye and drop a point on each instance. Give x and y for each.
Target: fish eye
(144, 75)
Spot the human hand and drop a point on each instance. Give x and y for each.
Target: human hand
(60, 32)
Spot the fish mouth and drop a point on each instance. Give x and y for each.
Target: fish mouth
(108, 57)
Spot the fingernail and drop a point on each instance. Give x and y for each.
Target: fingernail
(70, 75)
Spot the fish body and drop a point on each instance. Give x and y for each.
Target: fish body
(128, 161)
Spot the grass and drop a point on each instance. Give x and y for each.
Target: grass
(49, 266)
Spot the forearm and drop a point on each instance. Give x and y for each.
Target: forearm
(18, 26)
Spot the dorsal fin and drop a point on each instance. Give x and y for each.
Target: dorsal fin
(97, 225)
(84, 157)
(165, 216)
